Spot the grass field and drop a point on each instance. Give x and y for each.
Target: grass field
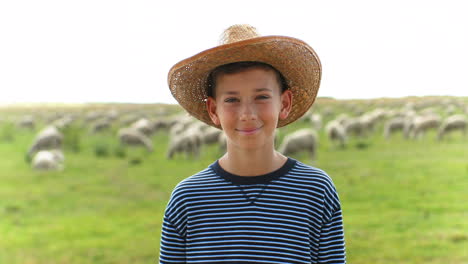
(403, 201)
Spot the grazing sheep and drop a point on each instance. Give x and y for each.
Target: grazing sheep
(336, 132)
(298, 141)
(408, 126)
(316, 120)
(92, 116)
(46, 160)
(188, 142)
(423, 124)
(369, 120)
(211, 135)
(144, 126)
(101, 125)
(27, 122)
(342, 119)
(176, 129)
(451, 109)
(182, 123)
(453, 123)
(393, 125)
(63, 122)
(161, 125)
(133, 137)
(355, 126)
(48, 138)
(129, 119)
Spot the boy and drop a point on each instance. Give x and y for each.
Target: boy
(253, 205)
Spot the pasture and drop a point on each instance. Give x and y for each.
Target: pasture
(404, 200)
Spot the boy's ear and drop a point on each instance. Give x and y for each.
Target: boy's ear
(286, 104)
(211, 108)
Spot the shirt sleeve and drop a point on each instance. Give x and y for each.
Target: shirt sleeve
(332, 242)
(172, 248)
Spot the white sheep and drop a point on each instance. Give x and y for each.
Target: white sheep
(316, 121)
(423, 124)
(336, 132)
(355, 126)
(369, 120)
(100, 125)
(64, 121)
(46, 160)
(211, 135)
(27, 122)
(393, 125)
(188, 142)
(298, 141)
(144, 126)
(48, 138)
(452, 123)
(161, 124)
(133, 137)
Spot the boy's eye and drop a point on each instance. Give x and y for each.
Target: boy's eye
(263, 97)
(231, 100)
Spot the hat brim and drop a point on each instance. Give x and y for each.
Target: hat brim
(295, 59)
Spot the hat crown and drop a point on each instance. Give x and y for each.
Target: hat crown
(237, 33)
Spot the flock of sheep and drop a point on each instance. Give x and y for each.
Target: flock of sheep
(187, 135)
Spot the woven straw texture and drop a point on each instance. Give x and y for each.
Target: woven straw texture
(296, 60)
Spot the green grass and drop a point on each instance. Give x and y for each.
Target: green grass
(403, 201)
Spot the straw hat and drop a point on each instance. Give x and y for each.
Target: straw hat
(296, 60)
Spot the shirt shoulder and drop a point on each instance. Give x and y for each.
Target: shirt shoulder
(311, 175)
(207, 178)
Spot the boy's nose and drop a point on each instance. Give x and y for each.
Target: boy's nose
(248, 112)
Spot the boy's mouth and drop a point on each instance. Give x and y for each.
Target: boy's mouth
(248, 131)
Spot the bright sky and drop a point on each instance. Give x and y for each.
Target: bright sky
(121, 51)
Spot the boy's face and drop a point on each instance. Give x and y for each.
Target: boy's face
(248, 106)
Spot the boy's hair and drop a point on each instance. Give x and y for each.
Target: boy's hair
(237, 67)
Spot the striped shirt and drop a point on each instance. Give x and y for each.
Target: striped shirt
(291, 215)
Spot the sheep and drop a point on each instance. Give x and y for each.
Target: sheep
(298, 141)
(26, 122)
(316, 121)
(408, 125)
(161, 125)
(144, 126)
(48, 138)
(355, 126)
(133, 137)
(92, 116)
(370, 119)
(176, 129)
(392, 125)
(451, 109)
(45, 160)
(336, 132)
(422, 124)
(99, 126)
(181, 124)
(63, 122)
(452, 123)
(188, 141)
(211, 135)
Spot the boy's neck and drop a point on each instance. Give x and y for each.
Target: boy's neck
(253, 163)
